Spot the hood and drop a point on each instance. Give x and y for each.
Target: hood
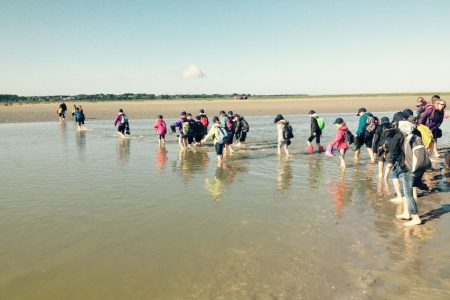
(315, 115)
(406, 127)
(283, 122)
(344, 128)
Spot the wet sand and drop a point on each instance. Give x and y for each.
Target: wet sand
(252, 107)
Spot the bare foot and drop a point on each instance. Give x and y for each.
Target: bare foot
(415, 221)
(396, 200)
(403, 216)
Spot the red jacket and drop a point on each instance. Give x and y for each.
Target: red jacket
(161, 127)
(339, 141)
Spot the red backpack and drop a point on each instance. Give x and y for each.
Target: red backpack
(204, 120)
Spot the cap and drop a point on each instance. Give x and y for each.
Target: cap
(407, 112)
(311, 112)
(339, 121)
(362, 109)
(384, 120)
(398, 116)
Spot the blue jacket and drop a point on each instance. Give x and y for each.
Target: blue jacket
(362, 124)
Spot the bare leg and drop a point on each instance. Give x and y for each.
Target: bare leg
(435, 149)
(342, 158)
(371, 155)
(380, 168)
(387, 171)
(286, 150)
(396, 183)
(357, 153)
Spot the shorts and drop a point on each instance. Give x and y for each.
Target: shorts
(286, 142)
(311, 138)
(161, 136)
(61, 115)
(364, 140)
(121, 128)
(80, 122)
(437, 133)
(190, 139)
(198, 138)
(242, 136)
(229, 139)
(219, 149)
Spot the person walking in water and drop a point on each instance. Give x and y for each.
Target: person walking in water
(123, 124)
(182, 138)
(381, 143)
(219, 135)
(364, 135)
(341, 141)
(79, 116)
(432, 117)
(285, 134)
(160, 127)
(61, 112)
(316, 132)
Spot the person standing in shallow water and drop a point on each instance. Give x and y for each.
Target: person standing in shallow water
(122, 121)
(363, 137)
(316, 132)
(160, 127)
(284, 135)
(340, 141)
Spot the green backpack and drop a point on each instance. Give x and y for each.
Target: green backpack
(186, 128)
(321, 123)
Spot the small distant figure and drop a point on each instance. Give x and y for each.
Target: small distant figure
(204, 118)
(79, 116)
(344, 138)
(61, 112)
(432, 117)
(241, 129)
(189, 129)
(200, 130)
(317, 125)
(382, 140)
(124, 125)
(227, 122)
(285, 134)
(160, 127)
(218, 133)
(74, 110)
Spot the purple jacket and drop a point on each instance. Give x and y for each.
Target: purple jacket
(431, 118)
(179, 124)
(118, 118)
(420, 109)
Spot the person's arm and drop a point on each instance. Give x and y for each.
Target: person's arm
(424, 116)
(117, 120)
(396, 148)
(338, 138)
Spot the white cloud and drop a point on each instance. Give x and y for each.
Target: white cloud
(193, 72)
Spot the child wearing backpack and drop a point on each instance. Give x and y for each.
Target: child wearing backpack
(219, 135)
(241, 129)
(342, 141)
(381, 144)
(285, 134)
(317, 125)
(179, 124)
(161, 129)
(122, 121)
(410, 160)
(364, 135)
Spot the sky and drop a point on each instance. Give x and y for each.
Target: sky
(255, 47)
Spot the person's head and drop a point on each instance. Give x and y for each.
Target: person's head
(339, 122)
(230, 113)
(384, 120)
(183, 114)
(440, 105)
(434, 99)
(121, 110)
(202, 111)
(361, 111)
(160, 117)
(222, 113)
(198, 118)
(407, 113)
(311, 112)
(236, 116)
(216, 120)
(189, 116)
(421, 101)
(398, 116)
(278, 118)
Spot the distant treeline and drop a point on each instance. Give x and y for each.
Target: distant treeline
(110, 97)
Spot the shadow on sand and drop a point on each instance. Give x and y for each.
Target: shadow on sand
(435, 213)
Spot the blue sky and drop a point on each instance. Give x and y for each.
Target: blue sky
(257, 47)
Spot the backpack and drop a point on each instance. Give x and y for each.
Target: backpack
(221, 135)
(288, 132)
(124, 119)
(187, 128)
(416, 156)
(205, 121)
(321, 123)
(349, 137)
(386, 139)
(427, 135)
(372, 124)
(245, 127)
(229, 124)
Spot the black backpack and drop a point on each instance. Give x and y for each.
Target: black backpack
(349, 137)
(386, 139)
(245, 127)
(372, 124)
(288, 132)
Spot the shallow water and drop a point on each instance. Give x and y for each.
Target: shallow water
(88, 216)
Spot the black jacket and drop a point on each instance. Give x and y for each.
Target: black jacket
(315, 127)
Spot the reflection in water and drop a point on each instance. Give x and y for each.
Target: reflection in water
(191, 162)
(161, 159)
(341, 191)
(80, 137)
(225, 176)
(284, 178)
(124, 150)
(315, 172)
